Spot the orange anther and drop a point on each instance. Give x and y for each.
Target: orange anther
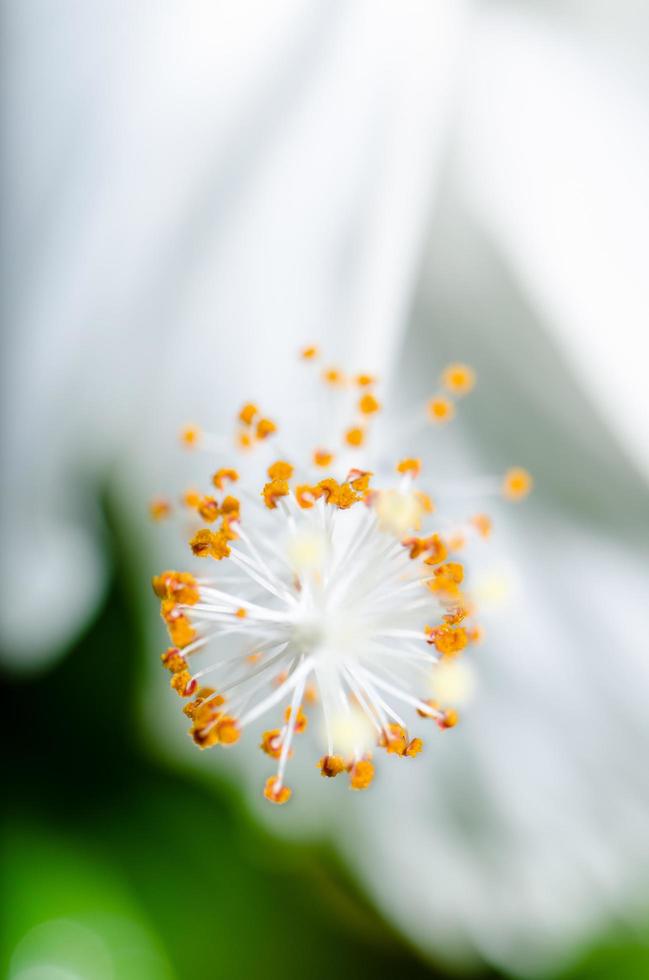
(228, 730)
(222, 475)
(173, 660)
(275, 791)
(449, 641)
(183, 684)
(331, 765)
(190, 436)
(247, 413)
(412, 467)
(332, 376)
(322, 458)
(394, 739)
(159, 509)
(210, 544)
(355, 436)
(368, 404)
(273, 491)
(517, 484)
(280, 470)
(191, 499)
(301, 720)
(440, 409)
(359, 480)
(306, 495)
(449, 719)
(413, 748)
(265, 428)
(271, 743)
(435, 550)
(361, 774)
(458, 379)
(180, 586)
(208, 508)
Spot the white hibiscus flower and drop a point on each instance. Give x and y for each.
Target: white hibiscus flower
(189, 199)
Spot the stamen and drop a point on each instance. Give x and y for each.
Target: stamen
(321, 602)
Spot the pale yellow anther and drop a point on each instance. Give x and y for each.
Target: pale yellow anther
(398, 511)
(483, 524)
(365, 380)
(453, 683)
(309, 353)
(459, 379)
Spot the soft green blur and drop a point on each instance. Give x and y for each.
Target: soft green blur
(116, 868)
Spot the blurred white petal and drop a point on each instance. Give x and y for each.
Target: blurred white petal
(555, 156)
(179, 231)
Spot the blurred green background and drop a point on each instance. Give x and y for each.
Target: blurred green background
(115, 867)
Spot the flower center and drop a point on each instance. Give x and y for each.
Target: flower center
(333, 635)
